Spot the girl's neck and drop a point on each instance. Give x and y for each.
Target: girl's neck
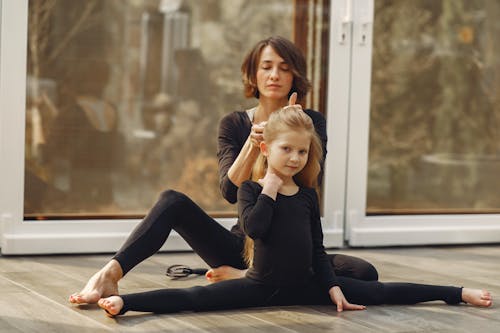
(289, 188)
(266, 107)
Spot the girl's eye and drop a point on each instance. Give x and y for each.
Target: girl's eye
(286, 149)
(303, 152)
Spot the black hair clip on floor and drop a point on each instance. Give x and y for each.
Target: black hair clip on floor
(180, 271)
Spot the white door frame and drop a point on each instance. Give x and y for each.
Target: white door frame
(98, 236)
(363, 230)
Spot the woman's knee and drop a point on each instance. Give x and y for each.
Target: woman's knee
(172, 195)
(354, 267)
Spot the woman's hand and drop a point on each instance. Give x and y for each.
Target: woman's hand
(339, 299)
(257, 134)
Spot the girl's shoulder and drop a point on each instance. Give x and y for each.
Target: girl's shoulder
(250, 184)
(310, 193)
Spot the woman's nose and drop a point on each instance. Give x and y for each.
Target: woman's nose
(274, 74)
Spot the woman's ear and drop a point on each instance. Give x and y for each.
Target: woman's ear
(263, 148)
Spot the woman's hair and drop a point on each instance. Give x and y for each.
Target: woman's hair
(289, 118)
(290, 53)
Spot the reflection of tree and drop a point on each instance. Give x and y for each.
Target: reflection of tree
(433, 91)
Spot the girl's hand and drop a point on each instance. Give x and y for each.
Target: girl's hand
(339, 299)
(257, 134)
(271, 184)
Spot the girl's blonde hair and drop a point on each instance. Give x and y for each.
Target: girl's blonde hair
(289, 118)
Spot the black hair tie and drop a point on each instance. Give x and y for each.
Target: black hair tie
(178, 271)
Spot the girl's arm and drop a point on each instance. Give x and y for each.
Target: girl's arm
(321, 264)
(255, 210)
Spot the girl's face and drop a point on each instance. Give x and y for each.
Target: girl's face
(274, 76)
(287, 154)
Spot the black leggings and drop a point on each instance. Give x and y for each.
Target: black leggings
(215, 244)
(245, 293)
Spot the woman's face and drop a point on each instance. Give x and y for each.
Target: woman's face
(274, 75)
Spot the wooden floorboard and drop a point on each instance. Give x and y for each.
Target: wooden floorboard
(35, 289)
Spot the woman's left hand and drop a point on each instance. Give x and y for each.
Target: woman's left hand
(339, 299)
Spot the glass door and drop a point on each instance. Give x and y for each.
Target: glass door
(104, 104)
(424, 126)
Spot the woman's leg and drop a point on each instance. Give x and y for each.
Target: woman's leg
(353, 267)
(342, 264)
(239, 293)
(174, 210)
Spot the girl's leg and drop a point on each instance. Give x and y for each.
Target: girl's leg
(232, 294)
(374, 292)
(174, 210)
(353, 267)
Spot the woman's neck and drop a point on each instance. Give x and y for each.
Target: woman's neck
(266, 107)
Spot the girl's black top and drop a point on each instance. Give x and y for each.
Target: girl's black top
(287, 234)
(234, 130)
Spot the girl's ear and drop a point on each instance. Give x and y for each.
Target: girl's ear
(263, 148)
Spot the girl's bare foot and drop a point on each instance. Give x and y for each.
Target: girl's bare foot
(102, 284)
(222, 273)
(112, 305)
(477, 297)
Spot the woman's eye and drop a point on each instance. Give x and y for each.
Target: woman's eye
(285, 68)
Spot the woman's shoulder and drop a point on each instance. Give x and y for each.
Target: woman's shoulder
(235, 116)
(315, 115)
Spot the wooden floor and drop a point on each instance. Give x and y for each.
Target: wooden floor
(34, 292)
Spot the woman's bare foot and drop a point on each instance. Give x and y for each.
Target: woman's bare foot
(477, 297)
(112, 305)
(222, 273)
(102, 284)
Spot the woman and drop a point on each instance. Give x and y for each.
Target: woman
(272, 71)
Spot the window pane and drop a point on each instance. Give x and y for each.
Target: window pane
(124, 98)
(435, 111)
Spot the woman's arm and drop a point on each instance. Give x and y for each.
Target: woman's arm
(241, 169)
(236, 153)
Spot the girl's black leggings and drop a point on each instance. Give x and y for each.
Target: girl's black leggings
(215, 244)
(245, 293)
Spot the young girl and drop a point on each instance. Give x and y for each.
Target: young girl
(279, 213)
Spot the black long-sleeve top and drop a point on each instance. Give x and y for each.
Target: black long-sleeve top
(234, 130)
(287, 234)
